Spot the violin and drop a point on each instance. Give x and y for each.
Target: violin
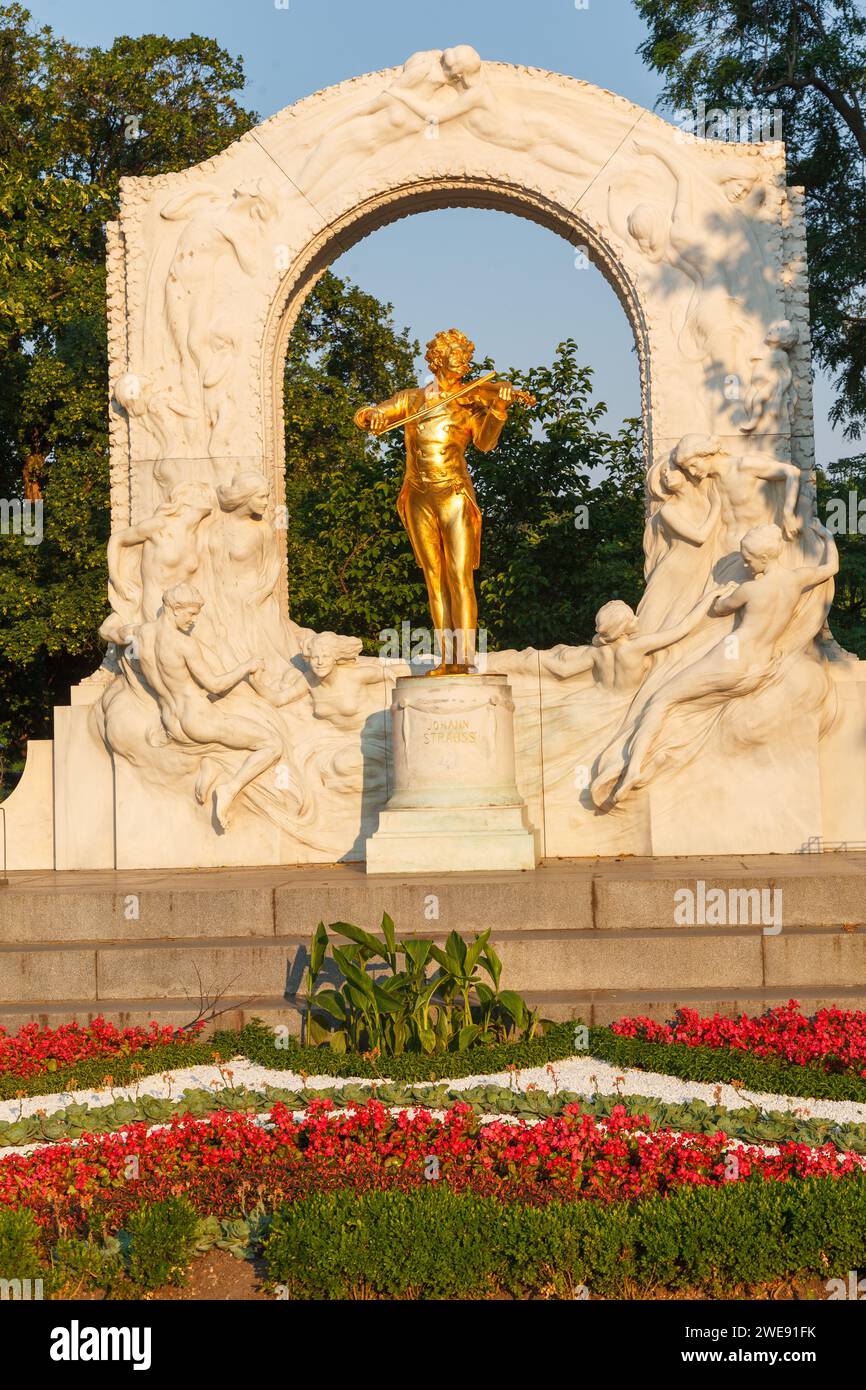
(486, 392)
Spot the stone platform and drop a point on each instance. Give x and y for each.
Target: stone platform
(588, 938)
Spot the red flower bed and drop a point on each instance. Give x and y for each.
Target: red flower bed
(228, 1163)
(833, 1039)
(33, 1049)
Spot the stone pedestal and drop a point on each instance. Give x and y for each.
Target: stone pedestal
(455, 804)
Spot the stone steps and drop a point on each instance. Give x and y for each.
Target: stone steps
(588, 938)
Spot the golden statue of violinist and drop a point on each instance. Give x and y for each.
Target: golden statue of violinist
(437, 503)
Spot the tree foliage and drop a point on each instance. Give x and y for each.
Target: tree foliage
(73, 121)
(563, 507)
(845, 482)
(350, 566)
(806, 58)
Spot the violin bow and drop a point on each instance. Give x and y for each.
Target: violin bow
(430, 409)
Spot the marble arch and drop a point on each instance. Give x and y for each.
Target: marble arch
(590, 165)
(274, 748)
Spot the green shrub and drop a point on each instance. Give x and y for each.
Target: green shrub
(78, 1263)
(19, 1245)
(436, 1243)
(338, 1245)
(162, 1241)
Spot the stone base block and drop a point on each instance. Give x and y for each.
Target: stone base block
(465, 839)
(455, 806)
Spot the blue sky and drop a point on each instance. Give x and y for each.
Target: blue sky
(518, 293)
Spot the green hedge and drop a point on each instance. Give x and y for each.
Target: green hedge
(259, 1044)
(676, 1059)
(436, 1243)
(439, 1244)
(124, 1071)
(714, 1064)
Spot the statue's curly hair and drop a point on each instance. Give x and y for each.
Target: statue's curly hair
(244, 485)
(612, 620)
(182, 596)
(764, 541)
(442, 342)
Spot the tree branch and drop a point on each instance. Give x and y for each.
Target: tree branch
(844, 108)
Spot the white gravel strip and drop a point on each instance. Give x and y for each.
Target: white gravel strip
(589, 1076)
(164, 1084)
(584, 1075)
